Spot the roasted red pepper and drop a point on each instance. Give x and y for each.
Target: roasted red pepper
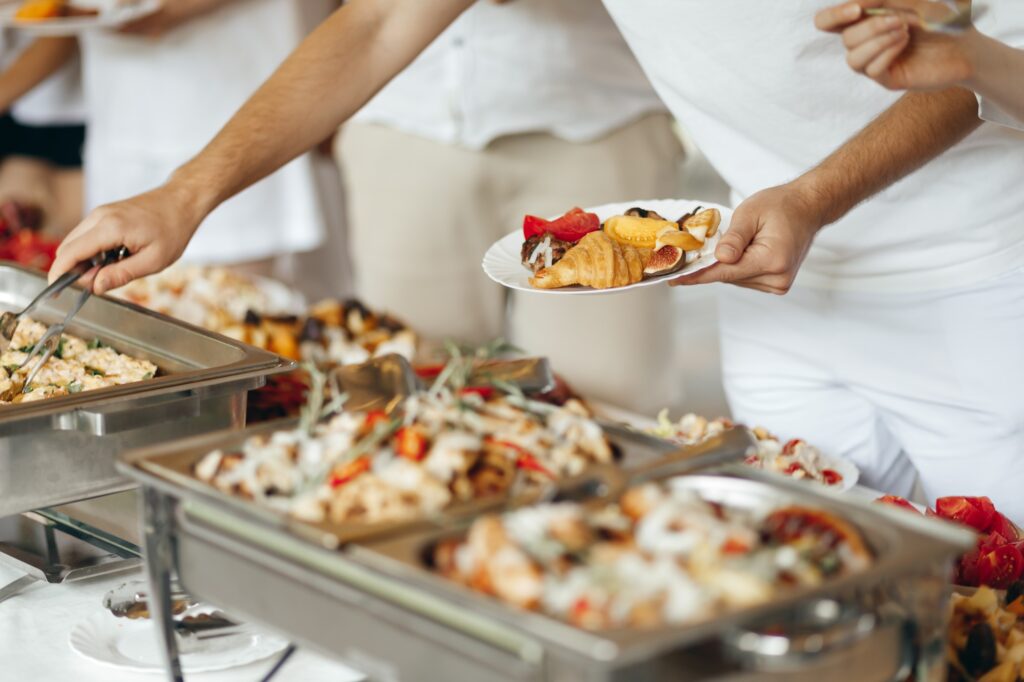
(411, 444)
(571, 227)
(485, 392)
(373, 418)
(348, 471)
(525, 459)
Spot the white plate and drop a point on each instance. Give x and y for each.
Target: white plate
(133, 645)
(846, 468)
(113, 13)
(503, 262)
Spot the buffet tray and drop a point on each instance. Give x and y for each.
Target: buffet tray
(374, 604)
(63, 449)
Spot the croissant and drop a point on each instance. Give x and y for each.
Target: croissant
(597, 261)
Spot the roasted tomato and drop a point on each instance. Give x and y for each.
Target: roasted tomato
(1002, 525)
(1000, 567)
(975, 512)
(411, 444)
(344, 473)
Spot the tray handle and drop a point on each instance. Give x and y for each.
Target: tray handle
(116, 418)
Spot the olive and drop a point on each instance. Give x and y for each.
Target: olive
(979, 654)
(350, 304)
(252, 317)
(1015, 591)
(312, 330)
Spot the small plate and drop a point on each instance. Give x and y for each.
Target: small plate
(112, 13)
(134, 645)
(503, 262)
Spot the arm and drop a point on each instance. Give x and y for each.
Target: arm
(335, 70)
(35, 64)
(894, 51)
(772, 231)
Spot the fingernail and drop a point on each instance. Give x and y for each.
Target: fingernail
(726, 251)
(851, 11)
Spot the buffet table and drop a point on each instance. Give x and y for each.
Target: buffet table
(35, 625)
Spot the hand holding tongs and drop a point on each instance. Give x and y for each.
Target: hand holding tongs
(50, 341)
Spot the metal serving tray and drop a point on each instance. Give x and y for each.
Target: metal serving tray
(62, 449)
(375, 606)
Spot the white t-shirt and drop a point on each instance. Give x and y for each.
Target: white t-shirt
(153, 104)
(557, 66)
(55, 101)
(767, 97)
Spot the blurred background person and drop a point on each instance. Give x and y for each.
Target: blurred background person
(532, 106)
(898, 53)
(159, 88)
(41, 128)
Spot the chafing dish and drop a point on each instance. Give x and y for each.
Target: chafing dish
(375, 605)
(62, 449)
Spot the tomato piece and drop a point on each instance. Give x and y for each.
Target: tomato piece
(373, 418)
(735, 546)
(428, 371)
(991, 542)
(831, 476)
(533, 226)
(963, 511)
(792, 469)
(524, 458)
(897, 501)
(485, 392)
(983, 504)
(1000, 567)
(1002, 525)
(967, 569)
(790, 447)
(572, 226)
(346, 472)
(411, 444)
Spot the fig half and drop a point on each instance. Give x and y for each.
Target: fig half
(665, 260)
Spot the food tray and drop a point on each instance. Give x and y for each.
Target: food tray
(374, 605)
(62, 449)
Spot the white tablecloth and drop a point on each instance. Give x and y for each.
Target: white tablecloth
(35, 625)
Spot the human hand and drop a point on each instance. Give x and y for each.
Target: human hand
(172, 13)
(894, 50)
(155, 227)
(767, 241)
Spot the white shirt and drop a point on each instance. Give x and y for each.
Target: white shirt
(556, 66)
(55, 101)
(767, 97)
(153, 104)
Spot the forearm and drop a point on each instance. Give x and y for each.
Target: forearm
(35, 64)
(336, 70)
(998, 74)
(915, 130)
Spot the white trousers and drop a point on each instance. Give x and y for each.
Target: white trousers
(422, 214)
(890, 381)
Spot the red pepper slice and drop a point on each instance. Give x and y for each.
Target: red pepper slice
(897, 501)
(962, 510)
(1000, 567)
(428, 371)
(373, 418)
(571, 227)
(411, 444)
(831, 476)
(485, 392)
(525, 459)
(348, 471)
(790, 447)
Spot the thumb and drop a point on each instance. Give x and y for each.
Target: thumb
(736, 239)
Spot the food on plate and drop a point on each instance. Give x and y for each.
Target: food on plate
(795, 458)
(76, 366)
(986, 635)
(39, 10)
(998, 558)
(441, 447)
(596, 261)
(577, 249)
(662, 555)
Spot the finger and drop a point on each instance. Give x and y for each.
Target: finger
(739, 235)
(115, 276)
(102, 237)
(747, 268)
(866, 30)
(879, 66)
(859, 57)
(835, 18)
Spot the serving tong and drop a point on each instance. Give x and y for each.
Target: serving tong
(48, 344)
(945, 16)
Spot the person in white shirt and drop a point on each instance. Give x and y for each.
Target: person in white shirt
(896, 52)
(533, 106)
(898, 343)
(159, 88)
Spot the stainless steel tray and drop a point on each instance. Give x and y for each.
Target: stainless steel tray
(374, 606)
(62, 449)
(174, 462)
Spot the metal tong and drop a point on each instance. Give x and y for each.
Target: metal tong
(50, 341)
